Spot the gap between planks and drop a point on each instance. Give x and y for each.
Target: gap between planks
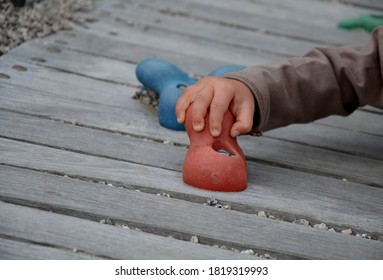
(11, 249)
(281, 190)
(360, 150)
(155, 132)
(91, 238)
(225, 227)
(42, 131)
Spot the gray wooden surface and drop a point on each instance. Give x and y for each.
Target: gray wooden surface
(76, 150)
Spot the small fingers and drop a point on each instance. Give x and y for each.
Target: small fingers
(185, 100)
(201, 103)
(218, 107)
(210, 93)
(244, 121)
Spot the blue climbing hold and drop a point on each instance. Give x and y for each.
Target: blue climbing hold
(226, 69)
(168, 81)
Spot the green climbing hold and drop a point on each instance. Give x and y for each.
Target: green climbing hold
(368, 22)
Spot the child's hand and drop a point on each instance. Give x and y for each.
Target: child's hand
(219, 94)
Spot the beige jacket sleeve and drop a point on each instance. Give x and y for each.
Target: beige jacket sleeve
(326, 81)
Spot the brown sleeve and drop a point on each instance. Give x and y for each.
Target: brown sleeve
(324, 82)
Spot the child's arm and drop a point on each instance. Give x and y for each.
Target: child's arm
(326, 81)
(218, 94)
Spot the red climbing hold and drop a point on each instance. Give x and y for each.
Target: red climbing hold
(214, 163)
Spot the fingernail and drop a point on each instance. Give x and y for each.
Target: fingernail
(197, 126)
(215, 132)
(235, 133)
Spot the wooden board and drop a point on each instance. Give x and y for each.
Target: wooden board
(167, 215)
(361, 120)
(325, 10)
(310, 14)
(90, 238)
(350, 142)
(76, 149)
(154, 19)
(199, 47)
(343, 140)
(247, 20)
(291, 155)
(371, 4)
(288, 193)
(17, 250)
(130, 117)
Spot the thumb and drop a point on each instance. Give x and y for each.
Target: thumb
(243, 123)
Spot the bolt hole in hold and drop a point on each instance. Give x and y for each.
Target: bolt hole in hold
(38, 59)
(225, 153)
(4, 76)
(218, 147)
(113, 33)
(181, 86)
(19, 68)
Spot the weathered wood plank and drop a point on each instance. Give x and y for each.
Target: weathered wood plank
(16, 250)
(286, 192)
(309, 13)
(325, 10)
(102, 68)
(130, 117)
(360, 120)
(361, 123)
(368, 147)
(342, 140)
(195, 46)
(371, 4)
(230, 227)
(125, 120)
(77, 138)
(145, 16)
(300, 12)
(123, 147)
(31, 55)
(144, 123)
(202, 10)
(357, 121)
(99, 239)
(374, 110)
(128, 51)
(53, 83)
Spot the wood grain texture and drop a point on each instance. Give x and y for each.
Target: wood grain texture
(347, 141)
(75, 148)
(128, 116)
(371, 4)
(228, 35)
(181, 43)
(172, 215)
(242, 19)
(16, 250)
(315, 9)
(291, 155)
(97, 239)
(290, 193)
